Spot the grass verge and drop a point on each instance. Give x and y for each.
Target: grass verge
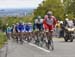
(3, 39)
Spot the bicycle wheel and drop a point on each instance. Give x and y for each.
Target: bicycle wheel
(21, 38)
(50, 41)
(51, 45)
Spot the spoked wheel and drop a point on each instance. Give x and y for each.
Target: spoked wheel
(51, 45)
(37, 41)
(37, 38)
(47, 45)
(29, 39)
(21, 38)
(41, 38)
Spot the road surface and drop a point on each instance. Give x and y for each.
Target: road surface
(62, 49)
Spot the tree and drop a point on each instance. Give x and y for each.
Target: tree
(51, 5)
(71, 8)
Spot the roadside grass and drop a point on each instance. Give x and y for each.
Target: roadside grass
(3, 39)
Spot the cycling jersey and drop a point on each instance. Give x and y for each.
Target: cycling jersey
(28, 28)
(38, 24)
(9, 30)
(20, 28)
(39, 21)
(49, 23)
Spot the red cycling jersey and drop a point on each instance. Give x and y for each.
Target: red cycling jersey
(49, 23)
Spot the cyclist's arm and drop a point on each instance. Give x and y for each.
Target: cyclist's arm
(55, 21)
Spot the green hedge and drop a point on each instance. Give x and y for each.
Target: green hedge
(3, 39)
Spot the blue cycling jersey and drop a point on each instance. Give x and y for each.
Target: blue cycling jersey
(20, 27)
(28, 28)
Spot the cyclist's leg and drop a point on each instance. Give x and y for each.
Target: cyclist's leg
(50, 34)
(51, 40)
(46, 34)
(28, 36)
(16, 34)
(21, 37)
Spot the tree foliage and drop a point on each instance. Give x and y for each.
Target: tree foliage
(50, 5)
(59, 9)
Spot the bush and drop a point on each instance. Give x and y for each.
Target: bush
(3, 39)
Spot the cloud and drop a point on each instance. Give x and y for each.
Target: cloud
(19, 3)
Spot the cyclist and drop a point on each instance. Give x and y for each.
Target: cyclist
(38, 23)
(49, 25)
(8, 32)
(28, 27)
(49, 21)
(38, 27)
(31, 27)
(20, 29)
(28, 30)
(14, 30)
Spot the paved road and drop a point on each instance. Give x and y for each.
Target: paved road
(62, 49)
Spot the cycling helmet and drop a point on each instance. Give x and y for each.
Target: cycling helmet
(66, 19)
(39, 17)
(61, 22)
(49, 13)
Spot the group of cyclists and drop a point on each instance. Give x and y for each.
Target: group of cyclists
(46, 24)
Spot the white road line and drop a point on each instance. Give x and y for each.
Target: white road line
(45, 50)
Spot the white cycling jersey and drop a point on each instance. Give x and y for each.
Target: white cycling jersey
(39, 21)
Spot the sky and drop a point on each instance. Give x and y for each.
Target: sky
(19, 3)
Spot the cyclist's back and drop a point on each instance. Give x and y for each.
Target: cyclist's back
(28, 27)
(20, 27)
(9, 30)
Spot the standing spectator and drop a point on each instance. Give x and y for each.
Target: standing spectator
(61, 29)
(58, 28)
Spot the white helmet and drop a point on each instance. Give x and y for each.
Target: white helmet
(29, 23)
(39, 17)
(49, 12)
(66, 19)
(61, 22)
